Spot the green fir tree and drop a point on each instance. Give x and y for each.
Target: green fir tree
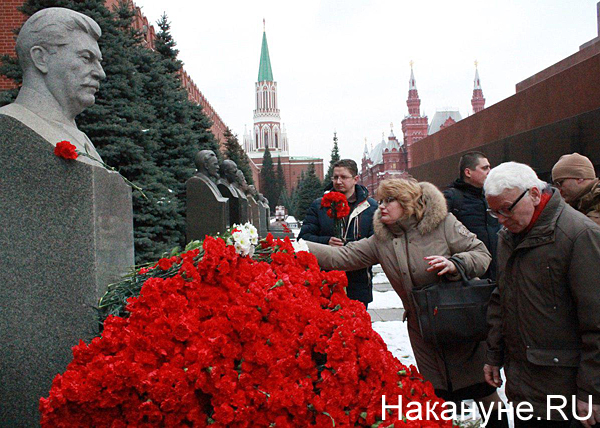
(268, 184)
(234, 152)
(308, 190)
(280, 181)
(289, 202)
(180, 136)
(335, 156)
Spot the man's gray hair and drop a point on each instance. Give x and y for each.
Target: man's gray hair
(49, 28)
(511, 175)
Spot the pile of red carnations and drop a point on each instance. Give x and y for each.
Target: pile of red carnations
(233, 342)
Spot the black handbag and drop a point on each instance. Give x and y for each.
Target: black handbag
(454, 312)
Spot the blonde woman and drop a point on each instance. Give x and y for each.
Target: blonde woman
(413, 241)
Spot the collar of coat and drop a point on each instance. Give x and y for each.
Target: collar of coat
(360, 191)
(590, 198)
(435, 212)
(462, 185)
(543, 229)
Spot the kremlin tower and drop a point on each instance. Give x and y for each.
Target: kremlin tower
(478, 102)
(393, 158)
(414, 126)
(267, 130)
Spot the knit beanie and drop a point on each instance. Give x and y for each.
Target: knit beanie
(573, 166)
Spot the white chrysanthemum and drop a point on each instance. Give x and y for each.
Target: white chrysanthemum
(243, 238)
(252, 232)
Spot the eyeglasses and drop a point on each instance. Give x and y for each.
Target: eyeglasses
(386, 201)
(341, 177)
(507, 212)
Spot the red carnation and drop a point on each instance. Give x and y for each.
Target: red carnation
(66, 150)
(337, 204)
(338, 208)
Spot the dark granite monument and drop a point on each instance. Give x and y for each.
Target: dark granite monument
(240, 185)
(66, 225)
(265, 212)
(207, 209)
(238, 212)
(254, 207)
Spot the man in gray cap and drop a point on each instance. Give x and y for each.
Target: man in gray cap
(573, 175)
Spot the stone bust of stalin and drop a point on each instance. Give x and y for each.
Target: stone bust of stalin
(58, 52)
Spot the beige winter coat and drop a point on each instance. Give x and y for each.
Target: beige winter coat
(438, 233)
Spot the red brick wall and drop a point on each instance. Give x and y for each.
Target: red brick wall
(10, 18)
(292, 170)
(218, 127)
(559, 67)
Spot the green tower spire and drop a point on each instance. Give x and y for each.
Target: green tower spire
(264, 70)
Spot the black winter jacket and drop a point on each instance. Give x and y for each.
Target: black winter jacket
(469, 206)
(318, 227)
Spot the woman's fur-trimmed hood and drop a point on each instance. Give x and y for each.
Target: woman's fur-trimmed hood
(435, 212)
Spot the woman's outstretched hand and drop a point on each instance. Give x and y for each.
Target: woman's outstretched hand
(440, 263)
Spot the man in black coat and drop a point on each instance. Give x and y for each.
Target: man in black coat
(466, 200)
(318, 227)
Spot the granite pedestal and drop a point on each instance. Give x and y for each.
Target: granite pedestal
(264, 220)
(229, 192)
(254, 213)
(66, 232)
(244, 205)
(207, 209)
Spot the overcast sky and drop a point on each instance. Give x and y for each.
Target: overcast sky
(344, 65)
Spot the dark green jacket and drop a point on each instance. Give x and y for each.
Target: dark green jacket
(545, 314)
(318, 227)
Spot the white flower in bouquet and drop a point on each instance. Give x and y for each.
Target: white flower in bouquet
(252, 233)
(300, 245)
(243, 238)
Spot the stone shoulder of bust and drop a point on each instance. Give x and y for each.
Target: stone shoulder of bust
(212, 185)
(224, 182)
(239, 190)
(205, 177)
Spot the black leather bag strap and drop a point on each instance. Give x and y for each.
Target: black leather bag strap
(460, 267)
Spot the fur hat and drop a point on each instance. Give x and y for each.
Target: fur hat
(573, 166)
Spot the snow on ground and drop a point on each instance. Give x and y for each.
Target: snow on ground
(380, 278)
(295, 231)
(395, 335)
(385, 300)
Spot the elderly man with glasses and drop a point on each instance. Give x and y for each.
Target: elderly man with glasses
(545, 314)
(318, 227)
(575, 178)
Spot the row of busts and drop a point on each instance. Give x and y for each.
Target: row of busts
(207, 164)
(219, 197)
